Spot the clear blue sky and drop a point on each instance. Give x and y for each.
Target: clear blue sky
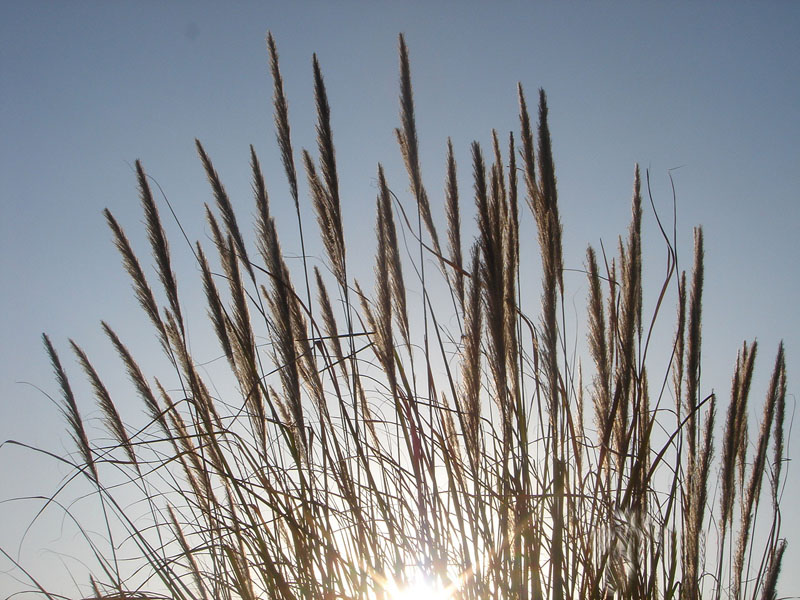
(88, 87)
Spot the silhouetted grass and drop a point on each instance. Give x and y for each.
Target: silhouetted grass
(361, 448)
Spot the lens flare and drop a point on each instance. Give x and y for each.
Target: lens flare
(420, 589)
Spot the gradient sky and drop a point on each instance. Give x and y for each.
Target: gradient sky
(709, 93)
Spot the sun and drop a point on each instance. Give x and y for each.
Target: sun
(420, 589)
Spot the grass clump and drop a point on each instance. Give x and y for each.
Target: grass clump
(368, 446)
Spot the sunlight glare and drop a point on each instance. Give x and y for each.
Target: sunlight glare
(421, 590)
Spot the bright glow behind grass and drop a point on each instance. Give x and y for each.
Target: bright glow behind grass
(420, 588)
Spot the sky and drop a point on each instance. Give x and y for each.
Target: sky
(707, 94)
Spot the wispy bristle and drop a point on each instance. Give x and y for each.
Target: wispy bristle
(384, 346)
(137, 377)
(775, 397)
(243, 333)
(780, 416)
(698, 495)
(752, 491)
(527, 140)
(597, 346)
(329, 322)
(492, 274)
(513, 202)
(280, 301)
(398, 288)
(144, 294)
(498, 165)
(225, 207)
(549, 195)
(471, 361)
(407, 138)
(283, 132)
(70, 411)
(158, 243)
(735, 420)
(261, 196)
(694, 342)
(773, 571)
(679, 346)
(694, 462)
(325, 146)
(454, 223)
(327, 220)
(630, 325)
(215, 310)
(242, 339)
(326, 199)
(110, 414)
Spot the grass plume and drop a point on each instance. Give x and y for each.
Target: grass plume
(325, 462)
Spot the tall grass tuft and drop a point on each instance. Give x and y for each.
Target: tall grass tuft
(387, 435)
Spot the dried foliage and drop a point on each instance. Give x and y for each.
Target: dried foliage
(373, 439)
